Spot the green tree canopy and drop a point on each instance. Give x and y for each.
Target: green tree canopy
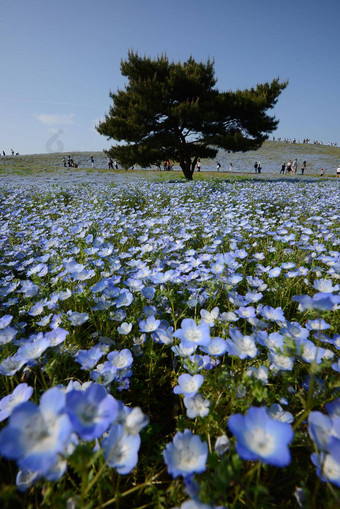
(173, 111)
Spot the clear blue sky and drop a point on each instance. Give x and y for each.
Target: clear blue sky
(60, 58)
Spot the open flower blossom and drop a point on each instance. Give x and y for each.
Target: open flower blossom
(259, 437)
(35, 436)
(21, 393)
(121, 449)
(241, 346)
(91, 411)
(188, 385)
(196, 406)
(151, 324)
(186, 454)
(192, 335)
(328, 463)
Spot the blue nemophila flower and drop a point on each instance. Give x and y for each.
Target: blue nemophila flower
(253, 296)
(148, 292)
(320, 428)
(125, 328)
(272, 314)
(5, 320)
(309, 352)
(328, 463)
(120, 359)
(89, 358)
(217, 347)
(186, 454)
(56, 336)
(21, 393)
(274, 341)
(275, 411)
(196, 406)
(317, 324)
(7, 334)
(188, 385)
(246, 312)
(195, 504)
(37, 309)
(325, 286)
(241, 346)
(125, 298)
(11, 365)
(135, 420)
(91, 411)
(76, 318)
(164, 333)
(333, 408)
(28, 288)
(182, 351)
(45, 320)
(35, 436)
(260, 373)
(222, 444)
(121, 449)
(275, 272)
(193, 335)
(33, 349)
(259, 437)
(295, 330)
(319, 301)
(151, 324)
(210, 317)
(229, 316)
(281, 362)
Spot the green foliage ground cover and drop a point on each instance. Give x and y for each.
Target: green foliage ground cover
(113, 268)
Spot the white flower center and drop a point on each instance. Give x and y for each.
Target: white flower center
(331, 468)
(260, 442)
(193, 335)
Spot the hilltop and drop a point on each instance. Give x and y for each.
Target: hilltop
(272, 154)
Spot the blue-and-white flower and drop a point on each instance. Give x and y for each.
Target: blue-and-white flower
(259, 437)
(186, 454)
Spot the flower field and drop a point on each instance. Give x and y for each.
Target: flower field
(170, 345)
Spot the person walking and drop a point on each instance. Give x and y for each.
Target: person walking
(255, 167)
(198, 165)
(303, 167)
(218, 166)
(294, 166)
(259, 168)
(283, 168)
(92, 161)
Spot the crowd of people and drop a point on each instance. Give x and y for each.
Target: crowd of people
(291, 167)
(305, 140)
(69, 163)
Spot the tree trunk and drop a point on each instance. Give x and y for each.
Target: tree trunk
(188, 171)
(185, 163)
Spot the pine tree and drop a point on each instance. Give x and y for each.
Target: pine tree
(172, 111)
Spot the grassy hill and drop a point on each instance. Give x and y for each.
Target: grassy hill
(271, 155)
